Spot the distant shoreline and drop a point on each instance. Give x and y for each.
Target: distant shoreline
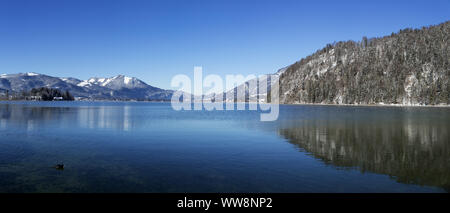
(366, 105)
(291, 104)
(85, 101)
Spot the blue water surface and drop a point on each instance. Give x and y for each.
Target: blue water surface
(149, 147)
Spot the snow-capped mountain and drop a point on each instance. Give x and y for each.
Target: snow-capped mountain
(118, 87)
(115, 83)
(27, 81)
(251, 92)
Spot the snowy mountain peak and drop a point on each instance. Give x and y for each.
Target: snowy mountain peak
(31, 74)
(28, 74)
(116, 82)
(127, 80)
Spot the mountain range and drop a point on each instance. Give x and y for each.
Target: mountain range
(115, 88)
(411, 67)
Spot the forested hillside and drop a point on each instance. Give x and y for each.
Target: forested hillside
(411, 67)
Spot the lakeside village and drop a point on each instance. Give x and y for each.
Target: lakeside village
(37, 94)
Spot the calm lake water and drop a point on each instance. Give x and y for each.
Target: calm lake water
(148, 147)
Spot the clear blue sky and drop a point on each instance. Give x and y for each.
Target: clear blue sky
(155, 40)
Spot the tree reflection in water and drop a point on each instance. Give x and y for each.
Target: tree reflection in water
(411, 151)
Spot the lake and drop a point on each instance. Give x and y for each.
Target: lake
(149, 147)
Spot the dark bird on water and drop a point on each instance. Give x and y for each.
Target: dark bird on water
(59, 166)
